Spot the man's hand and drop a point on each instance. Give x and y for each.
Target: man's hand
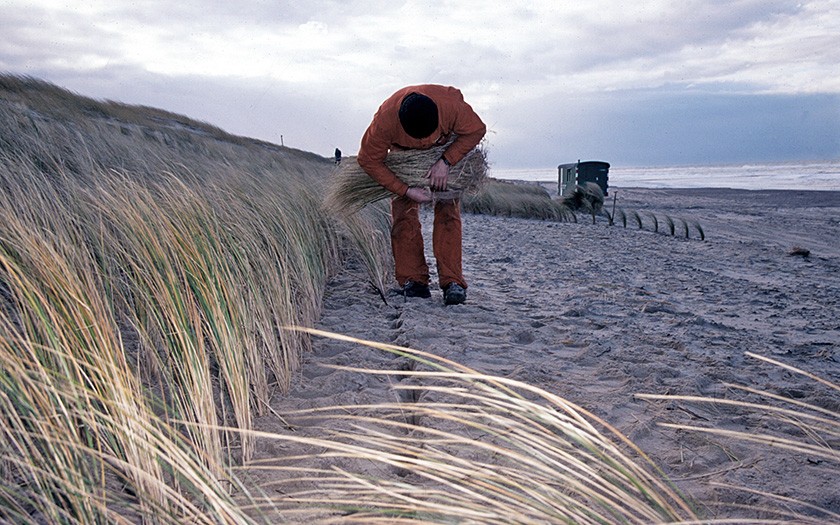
(437, 175)
(420, 195)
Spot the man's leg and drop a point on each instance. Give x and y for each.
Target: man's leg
(407, 242)
(446, 240)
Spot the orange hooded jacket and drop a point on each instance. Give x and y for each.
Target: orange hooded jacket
(385, 132)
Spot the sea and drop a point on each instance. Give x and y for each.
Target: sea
(816, 175)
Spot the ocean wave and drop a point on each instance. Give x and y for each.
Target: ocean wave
(787, 176)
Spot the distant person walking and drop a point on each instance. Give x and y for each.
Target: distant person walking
(421, 117)
(337, 156)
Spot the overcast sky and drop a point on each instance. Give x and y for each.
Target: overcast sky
(634, 83)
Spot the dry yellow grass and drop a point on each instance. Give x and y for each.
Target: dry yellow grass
(351, 188)
(147, 280)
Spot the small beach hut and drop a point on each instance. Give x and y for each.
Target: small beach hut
(579, 173)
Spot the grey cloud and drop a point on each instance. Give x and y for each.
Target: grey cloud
(217, 14)
(696, 24)
(673, 126)
(38, 37)
(521, 76)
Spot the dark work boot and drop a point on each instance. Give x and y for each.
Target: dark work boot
(454, 293)
(413, 289)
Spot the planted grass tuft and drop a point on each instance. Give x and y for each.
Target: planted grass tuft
(367, 238)
(655, 223)
(620, 216)
(700, 231)
(670, 222)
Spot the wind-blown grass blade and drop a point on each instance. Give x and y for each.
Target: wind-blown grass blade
(791, 425)
(538, 459)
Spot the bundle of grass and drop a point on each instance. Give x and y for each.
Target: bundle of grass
(588, 197)
(526, 201)
(351, 188)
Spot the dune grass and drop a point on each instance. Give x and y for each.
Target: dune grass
(81, 442)
(147, 264)
(468, 447)
(589, 199)
(371, 245)
(150, 269)
(482, 449)
(670, 223)
(508, 199)
(350, 188)
(655, 223)
(807, 429)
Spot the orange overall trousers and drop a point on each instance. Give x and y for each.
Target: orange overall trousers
(407, 242)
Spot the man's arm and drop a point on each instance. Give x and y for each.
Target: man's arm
(371, 158)
(469, 130)
(468, 127)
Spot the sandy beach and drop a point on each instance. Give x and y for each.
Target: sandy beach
(598, 313)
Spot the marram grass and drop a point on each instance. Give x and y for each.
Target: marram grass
(507, 199)
(474, 448)
(368, 240)
(806, 429)
(80, 442)
(351, 188)
(147, 277)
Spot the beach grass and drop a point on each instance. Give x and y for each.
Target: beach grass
(157, 278)
(147, 265)
(508, 199)
(808, 429)
(82, 441)
(671, 226)
(539, 458)
(350, 188)
(655, 222)
(622, 216)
